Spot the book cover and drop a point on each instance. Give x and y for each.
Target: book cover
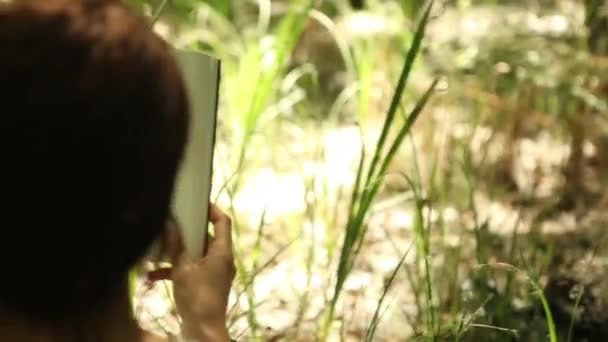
(201, 74)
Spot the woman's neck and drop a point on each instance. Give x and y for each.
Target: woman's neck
(113, 322)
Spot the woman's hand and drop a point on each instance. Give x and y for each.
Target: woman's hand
(201, 287)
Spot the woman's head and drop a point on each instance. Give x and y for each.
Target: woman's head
(93, 122)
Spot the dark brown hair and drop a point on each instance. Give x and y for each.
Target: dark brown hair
(93, 122)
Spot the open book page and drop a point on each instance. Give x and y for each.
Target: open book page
(193, 185)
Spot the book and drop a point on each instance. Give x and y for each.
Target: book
(191, 196)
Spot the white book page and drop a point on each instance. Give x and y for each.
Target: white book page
(193, 183)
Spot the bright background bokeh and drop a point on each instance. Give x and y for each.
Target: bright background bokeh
(488, 222)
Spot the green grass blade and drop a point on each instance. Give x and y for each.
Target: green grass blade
(341, 43)
(423, 252)
(288, 34)
(341, 100)
(254, 273)
(355, 195)
(355, 230)
(386, 161)
(368, 188)
(399, 90)
(577, 302)
(371, 330)
(352, 225)
(258, 240)
(263, 80)
(251, 315)
(548, 313)
(537, 290)
(405, 129)
(133, 276)
(158, 12)
(460, 328)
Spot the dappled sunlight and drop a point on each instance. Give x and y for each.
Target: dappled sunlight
(503, 170)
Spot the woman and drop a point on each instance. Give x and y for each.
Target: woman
(93, 122)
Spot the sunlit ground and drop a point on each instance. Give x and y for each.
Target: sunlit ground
(289, 210)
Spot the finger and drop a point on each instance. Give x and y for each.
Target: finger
(222, 241)
(210, 239)
(164, 273)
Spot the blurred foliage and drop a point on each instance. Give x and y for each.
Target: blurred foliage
(511, 72)
(183, 8)
(532, 68)
(596, 19)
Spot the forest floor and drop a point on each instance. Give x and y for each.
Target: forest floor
(567, 245)
(523, 217)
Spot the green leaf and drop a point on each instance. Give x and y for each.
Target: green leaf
(399, 90)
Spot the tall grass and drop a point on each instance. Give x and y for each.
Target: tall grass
(260, 85)
(536, 290)
(422, 242)
(255, 256)
(258, 74)
(255, 66)
(367, 186)
(373, 324)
